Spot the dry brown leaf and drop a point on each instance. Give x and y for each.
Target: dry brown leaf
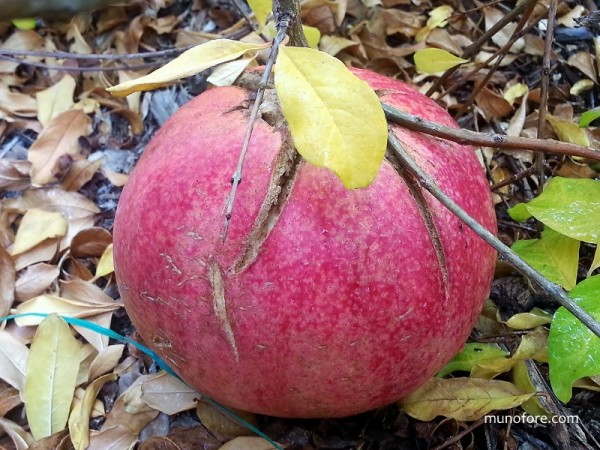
(492, 105)
(21, 439)
(247, 443)
(9, 399)
(440, 38)
(106, 360)
(72, 205)
(90, 242)
(37, 226)
(34, 280)
(98, 340)
(573, 169)
(13, 360)
(17, 103)
(42, 252)
(84, 291)
(493, 16)
(583, 61)
(401, 22)
(21, 40)
(14, 174)
(76, 226)
(568, 20)
(7, 282)
(568, 131)
(55, 100)
(332, 45)
(168, 394)
(80, 173)
(222, 426)
(319, 14)
(77, 269)
(60, 137)
(183, 439)
(534, 45)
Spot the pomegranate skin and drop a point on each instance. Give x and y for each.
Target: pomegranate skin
(342, 308)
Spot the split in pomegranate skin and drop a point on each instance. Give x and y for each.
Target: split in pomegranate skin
(321, 302)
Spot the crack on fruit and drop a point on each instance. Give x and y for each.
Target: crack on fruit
(171, 265)
(220, 304)
(425, 211)
(285, 171)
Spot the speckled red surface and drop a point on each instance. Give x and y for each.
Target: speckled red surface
(343, 310)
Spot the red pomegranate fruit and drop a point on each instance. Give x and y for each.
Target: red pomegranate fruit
(322, 301)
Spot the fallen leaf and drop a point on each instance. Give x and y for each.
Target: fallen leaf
(438, 18)
(433, 60)
(13, 360)
(596, 261)
(34, 280)
(192, 438)
(79, 174)
(60, 137)
(529, 320)
(462, 398)
(336, 119)
(261, 10)
(52, 368)
(227, 73)
(515, 92)
(503, 36)
(584, 62)
(168, 394)
(21, 439)
(90, 242)
(7, 282)
(554, 255)
(79, 419)
(581, 87)
(55, 100)
(106, 264)
(472, 354)
(106, 360)
(14, 174)
(42, 252)
(37, 226)
(248, 443)
(332, 45)
(9, 399)
(522, 380)
(72, 205)
(189, 63)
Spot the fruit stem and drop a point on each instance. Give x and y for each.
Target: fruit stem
(555, 291)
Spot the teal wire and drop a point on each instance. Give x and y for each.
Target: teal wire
(113, 334)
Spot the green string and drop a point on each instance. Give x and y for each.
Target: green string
(159, 361)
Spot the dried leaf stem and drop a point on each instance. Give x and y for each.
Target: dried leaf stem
(555, 291)
(501, 141)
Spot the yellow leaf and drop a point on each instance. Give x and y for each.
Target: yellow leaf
(596, 261)
(37, 226)
(529, 320)
(52, 369)
(261, 9)
(227, 73)
(434, 60)
(523, 381)
(313, 35)
(515, 91)
(24, 24)
(56, 99)
(438, 18)
(568, 131)
(581, 87)
(79, 420)
(189, 63)
(336, 119)
(168, 394)
(105, 265)
(462, 398)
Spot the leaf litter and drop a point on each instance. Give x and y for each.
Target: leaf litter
(67, 148)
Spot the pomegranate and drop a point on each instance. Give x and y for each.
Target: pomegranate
(321, 301)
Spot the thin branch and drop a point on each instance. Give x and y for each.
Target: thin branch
(264, 81)
(504, 142)
(545, 84)
(555, 291)
(80, 69)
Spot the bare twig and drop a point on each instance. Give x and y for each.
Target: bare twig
(550, 288)
(545, 83)
(264, 81)
(504, 142)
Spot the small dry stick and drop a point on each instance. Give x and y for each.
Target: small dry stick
(504, 142)
(264, 81)
(555, 291)
(546, 62)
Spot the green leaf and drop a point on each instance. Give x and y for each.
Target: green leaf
(52, 368)
(261, 9)
(189, 63)
(570, 206)
(573, 350)
(25, 24)
(462, 398)
(519, 212)
(336, 119)
(528, 320)
(434, 60)
(554, 255)
(588, 117)
(471, 355)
